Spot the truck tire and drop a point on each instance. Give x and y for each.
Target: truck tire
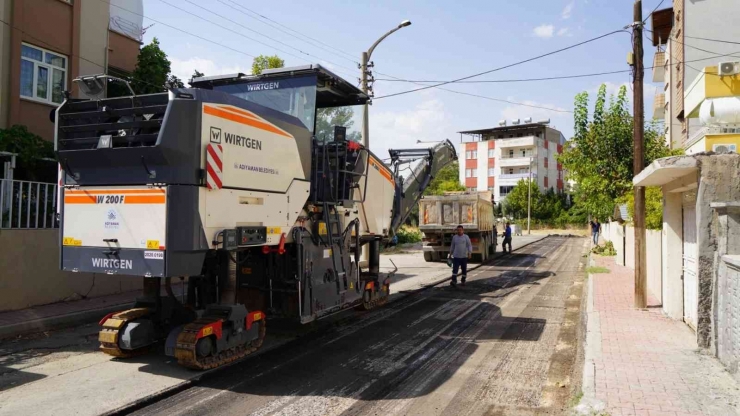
(428, 256)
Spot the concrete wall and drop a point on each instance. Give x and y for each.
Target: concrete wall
(654, 239)
(93, 37)
(623, 239)
(30, 275)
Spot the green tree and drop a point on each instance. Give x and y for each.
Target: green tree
(263, 62)
(327, 118)
(447, 180)
(153, 72)
(197, 74)
(600, 155)
(516, 200)
(29, 147)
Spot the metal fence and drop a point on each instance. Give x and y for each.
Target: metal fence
(28, 205)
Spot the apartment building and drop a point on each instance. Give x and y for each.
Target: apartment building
(45, 44)
(693, 38)
(496, 159)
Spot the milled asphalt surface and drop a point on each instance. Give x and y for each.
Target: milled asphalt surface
(507, 343)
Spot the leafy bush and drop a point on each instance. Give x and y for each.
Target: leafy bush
(408, 235)
(606, 250)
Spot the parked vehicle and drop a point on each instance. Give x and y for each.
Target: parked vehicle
(440, 215)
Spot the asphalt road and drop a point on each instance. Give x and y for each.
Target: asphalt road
(504, 344)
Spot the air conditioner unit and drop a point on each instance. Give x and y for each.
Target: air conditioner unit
(724, 148)
(728, 68)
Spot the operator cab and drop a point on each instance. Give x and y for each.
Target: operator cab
(316, 96)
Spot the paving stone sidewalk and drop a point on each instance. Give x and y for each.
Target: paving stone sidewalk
(644, 363)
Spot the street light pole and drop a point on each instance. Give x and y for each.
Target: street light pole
(529, 196)
(365, 59)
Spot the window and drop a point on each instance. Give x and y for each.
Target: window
(491, 153)
(491, 188)
(523, 170)
(524, 152)
(510, 171)
(43, 74)
(468, 173)
(504, 190)
(474, 154)
(475, 172)
(490, 171)
(511, 152)
(467, 154)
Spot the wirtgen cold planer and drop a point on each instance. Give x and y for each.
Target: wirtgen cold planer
(229, 185)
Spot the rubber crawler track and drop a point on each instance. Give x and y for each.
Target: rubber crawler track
(187, 357)
(113, 349)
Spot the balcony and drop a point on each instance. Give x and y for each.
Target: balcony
(517, 176)
(516, 160)
(658, 67)
(517, 142)
(659, 106)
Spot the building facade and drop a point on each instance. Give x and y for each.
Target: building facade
(692, 38)
(45, 44)
(496, 159)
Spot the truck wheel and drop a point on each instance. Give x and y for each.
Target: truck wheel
(428, 256)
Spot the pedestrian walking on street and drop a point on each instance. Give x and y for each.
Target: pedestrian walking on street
(595, 230)
(460, 250)
(507, 237)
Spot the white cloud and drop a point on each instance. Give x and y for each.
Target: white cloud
(564, 32)
(401, 129)
(544, 31)
(568, 10)
(184, 69)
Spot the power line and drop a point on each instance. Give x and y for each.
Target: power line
(712, 40)
(513, 80)
(286, 32)
(505, 66)
(651, 13)
(251, 30)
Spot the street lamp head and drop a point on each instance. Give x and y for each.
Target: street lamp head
(405, 23)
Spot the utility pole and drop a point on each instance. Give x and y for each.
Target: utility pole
(529, 196)
(364, 65)
(639, 161)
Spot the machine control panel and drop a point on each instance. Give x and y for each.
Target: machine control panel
(250, 236)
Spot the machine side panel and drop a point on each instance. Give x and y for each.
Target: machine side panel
(227, 208)
(255, 154)
(281, 121)
(187, 241)
(132, 262)
(378, 205)
(119, 217)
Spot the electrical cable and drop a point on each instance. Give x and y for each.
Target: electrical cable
(286, 32)
(654, 10)
(505, 66)
(251, 30)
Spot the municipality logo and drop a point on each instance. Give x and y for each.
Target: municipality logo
(112, 220)
(215, 135)
(111, 215)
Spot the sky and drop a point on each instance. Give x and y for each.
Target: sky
(446, 40)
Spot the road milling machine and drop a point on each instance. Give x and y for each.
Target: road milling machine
(229, 185)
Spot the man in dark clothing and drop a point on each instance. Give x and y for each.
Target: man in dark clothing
(595, 230)
(507, 238)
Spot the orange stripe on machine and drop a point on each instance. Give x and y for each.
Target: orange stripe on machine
(114, 198)
(383, 170)
(228, 115)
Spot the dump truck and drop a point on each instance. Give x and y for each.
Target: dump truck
(440, 215)
(229, 186)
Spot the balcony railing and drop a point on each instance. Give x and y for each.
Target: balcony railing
(516, 142)
(516, 160)
(517, 175)
(28, 205)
